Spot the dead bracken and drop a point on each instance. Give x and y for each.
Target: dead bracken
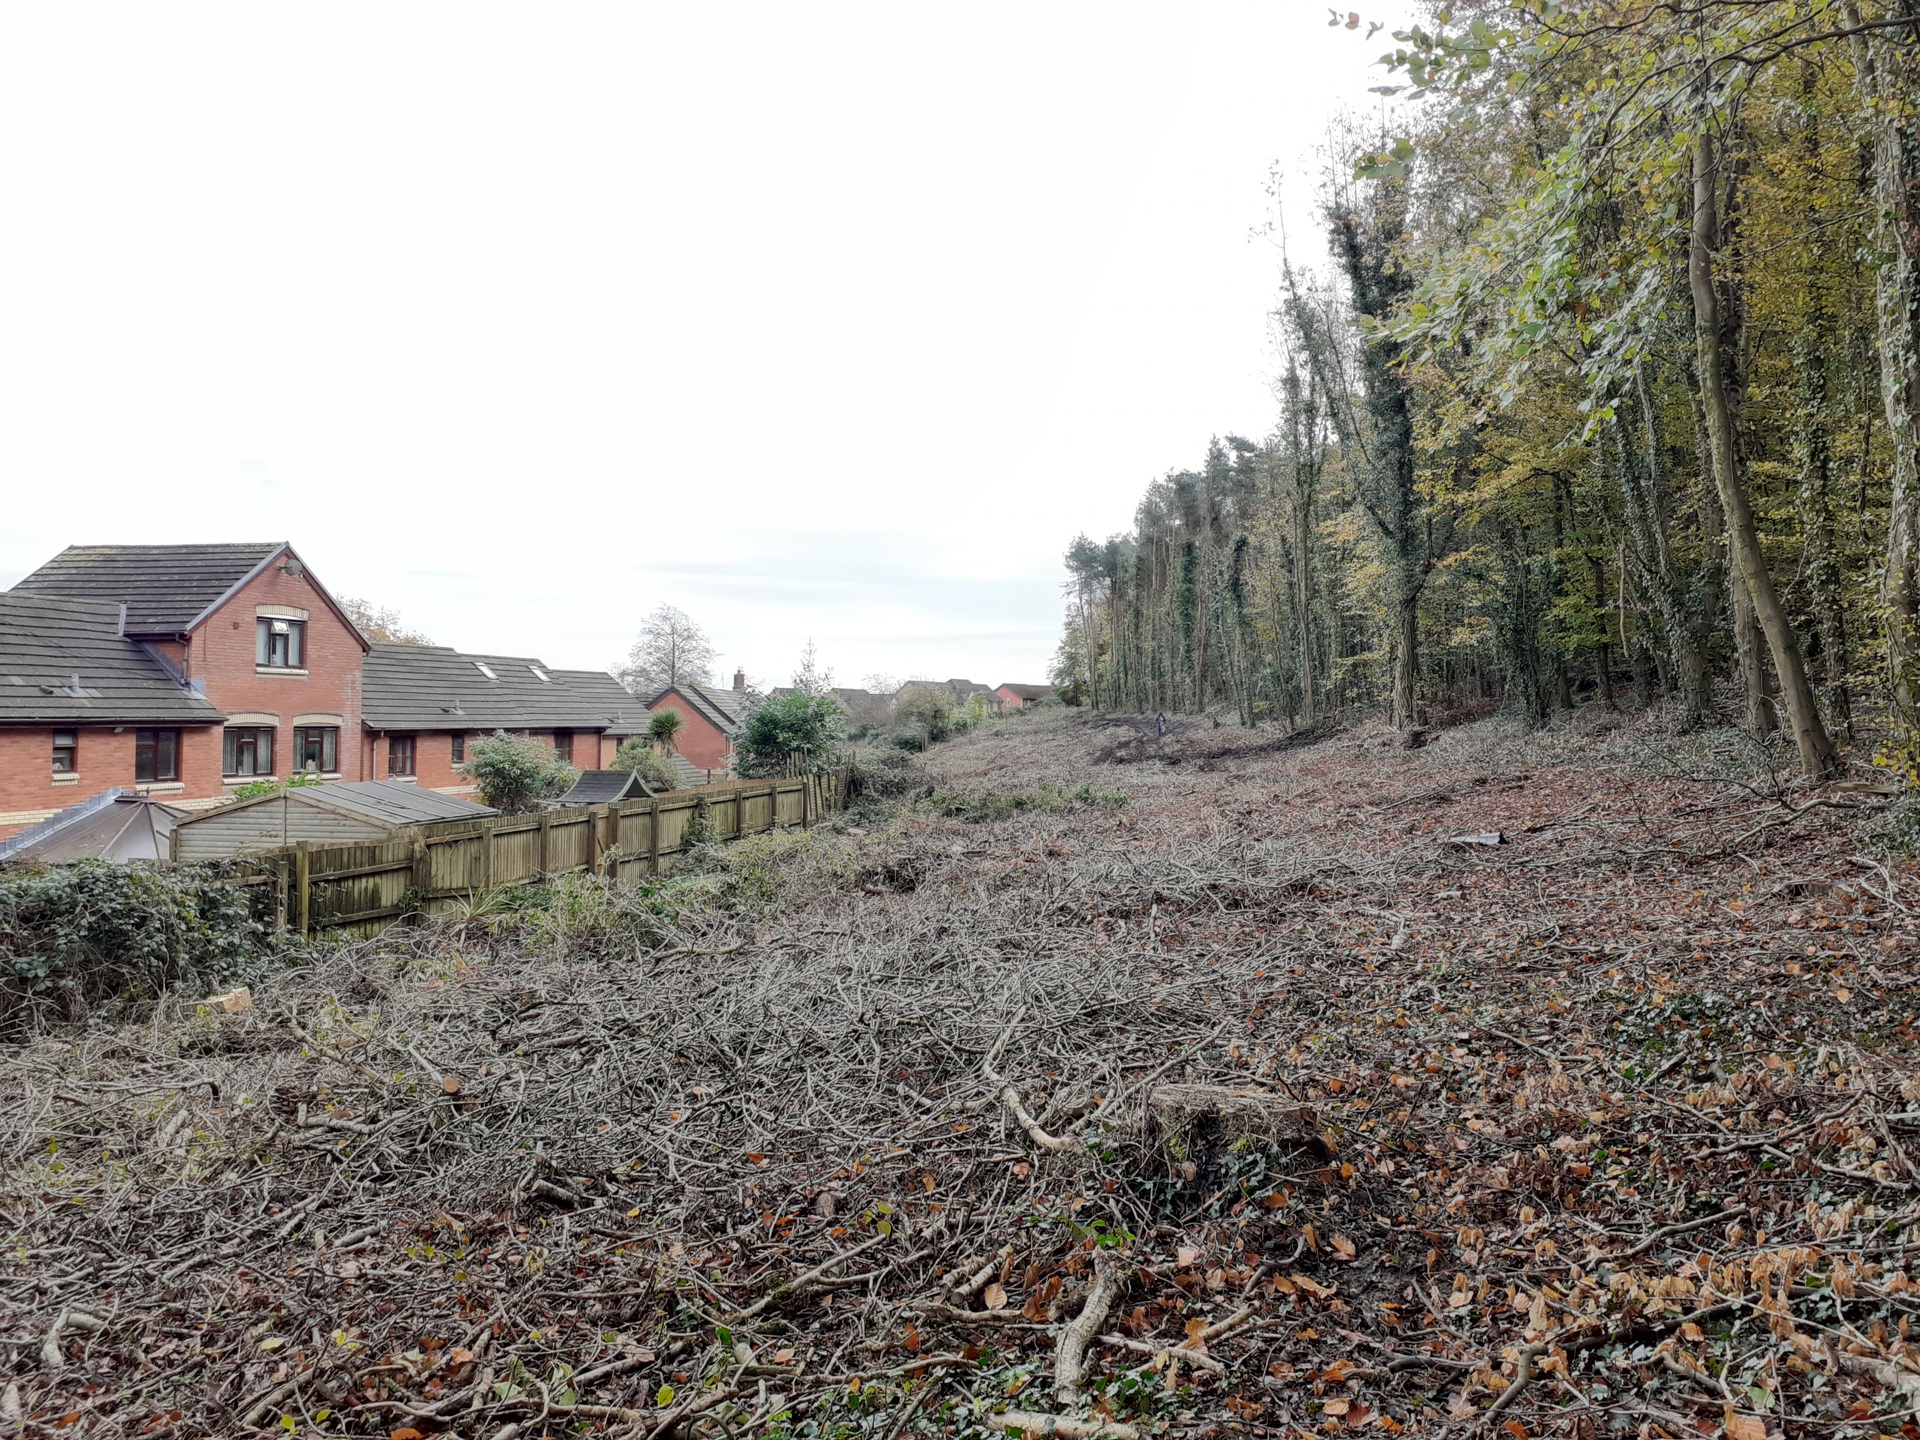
(1251, 1105)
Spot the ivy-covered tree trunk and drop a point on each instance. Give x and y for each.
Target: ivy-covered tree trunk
(1817, 755)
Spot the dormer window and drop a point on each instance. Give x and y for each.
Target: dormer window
(485, 669)
(280, 644)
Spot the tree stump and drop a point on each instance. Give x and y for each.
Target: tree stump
(1197, 1126)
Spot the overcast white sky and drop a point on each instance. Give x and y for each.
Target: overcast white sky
(831, 320)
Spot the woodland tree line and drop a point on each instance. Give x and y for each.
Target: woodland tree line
(1607, 391)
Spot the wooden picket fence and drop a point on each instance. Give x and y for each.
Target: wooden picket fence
(434, 868)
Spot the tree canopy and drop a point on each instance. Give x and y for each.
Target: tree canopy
(1606, 391)
(671, 649)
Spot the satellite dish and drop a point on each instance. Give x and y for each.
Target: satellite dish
(294, 568)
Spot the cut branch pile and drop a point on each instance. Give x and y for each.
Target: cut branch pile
(1249, 1104)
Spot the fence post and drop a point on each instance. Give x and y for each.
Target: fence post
(596, 836)
(303, 891)
(280, 894)
(422, 873)
(546, 819)
(653, 839)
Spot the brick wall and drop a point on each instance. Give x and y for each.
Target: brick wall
(222, 652)
(28, 792)
(702, 742)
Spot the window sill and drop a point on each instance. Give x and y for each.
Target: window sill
(67, 777)
(249, 779)
(159, 787)
(403, 779)
(284, 671)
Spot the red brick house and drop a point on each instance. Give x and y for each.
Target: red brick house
(1019, 697)
(424, 703)
(711, 720)
(187, 671)
(84, 709)
(247, 628)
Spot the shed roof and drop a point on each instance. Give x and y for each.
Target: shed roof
(116, 824)
(392, 802)
(387, 803)
(603, 787)
(64, 661)
(432, 687)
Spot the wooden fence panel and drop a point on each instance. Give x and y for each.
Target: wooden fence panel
(569, 841)
(357, 884)
(345, 889)
(457, 864)
(790, 804)
(516, 851)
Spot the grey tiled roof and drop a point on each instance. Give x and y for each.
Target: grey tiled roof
(1028, 692)
(45, 641)
(165, 587)
(605, 695)
(430, 687)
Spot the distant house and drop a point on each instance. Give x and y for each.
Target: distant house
(1019, 697)
(360, 812)
(84, 708)
(116, 824)
(963, 691)
(711, 720)
(425, 703)
(188, 671)
(864, 709)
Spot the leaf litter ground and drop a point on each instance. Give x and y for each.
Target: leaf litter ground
(855, 1133)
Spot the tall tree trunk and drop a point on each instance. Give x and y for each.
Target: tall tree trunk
(1888, 78)
(1303, 609)
(1817, 756)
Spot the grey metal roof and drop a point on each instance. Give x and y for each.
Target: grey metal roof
(390, 802)
(432, 687)
(603, 787)
(46, 641)
(116, 824)
(721, 708)
(166, 588)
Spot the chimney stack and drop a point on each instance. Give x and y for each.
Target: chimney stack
(739, 679)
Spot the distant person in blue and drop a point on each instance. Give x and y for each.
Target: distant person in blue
(1160, 724)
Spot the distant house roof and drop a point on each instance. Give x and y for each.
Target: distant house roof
(113, 825)
(167, 589)
(690, 773)
(720, 708)
(64, 660)
(1029, 692)
(603, 787)
(431, 687)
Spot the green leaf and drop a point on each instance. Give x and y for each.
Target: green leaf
(663, 1397)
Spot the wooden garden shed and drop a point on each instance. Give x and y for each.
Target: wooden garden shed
(360, 812)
